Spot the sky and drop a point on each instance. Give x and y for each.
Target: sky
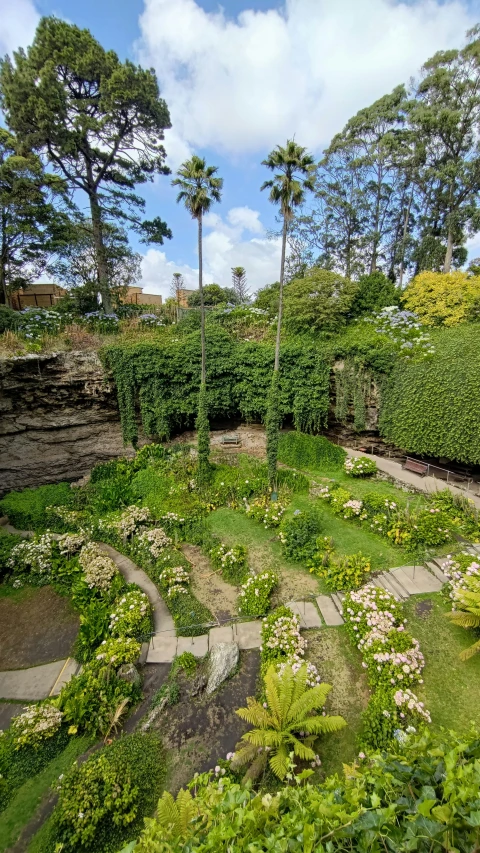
(241, 77)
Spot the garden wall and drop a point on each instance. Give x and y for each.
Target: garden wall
(58, 417)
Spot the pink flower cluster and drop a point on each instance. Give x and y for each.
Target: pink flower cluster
(406, 699)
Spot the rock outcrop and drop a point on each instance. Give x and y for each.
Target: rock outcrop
(223, 660)
(58, 418)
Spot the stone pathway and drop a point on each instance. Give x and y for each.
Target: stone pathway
(37, 682)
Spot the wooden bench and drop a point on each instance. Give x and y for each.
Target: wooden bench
(415, 466)
(234, 440)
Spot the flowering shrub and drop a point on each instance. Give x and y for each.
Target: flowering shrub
(342, 573)
(35, 322)
(70, 543)
(352, 509)
(68, 516)
(232, 562)
(337, 499)
(154, 541)
(254, 595)
(117, 651)
(174, 580)
(299, 534)
(392, 658)
(282, 644)
(360, 466)
(404, 329)
(430, 527)
(131, 518)
(268, 512)
(37, 723)
(98, 569)
(31, 561)
(150, 320)
(131, 614)
(99, 321)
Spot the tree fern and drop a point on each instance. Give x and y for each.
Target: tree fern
(468, 614)
(287, 725)
(176, 815)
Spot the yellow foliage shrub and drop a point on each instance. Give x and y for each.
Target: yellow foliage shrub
(444, 298)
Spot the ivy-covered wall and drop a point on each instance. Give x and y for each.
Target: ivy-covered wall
(433, 407)
(161, 380)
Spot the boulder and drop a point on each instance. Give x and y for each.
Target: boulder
(223, 660)
(129, 673)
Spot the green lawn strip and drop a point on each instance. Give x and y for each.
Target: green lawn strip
(17, 594)
(339, 663)
(451, 688)
(22, 807)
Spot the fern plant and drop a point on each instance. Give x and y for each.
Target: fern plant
(468, 614)
(286, 725)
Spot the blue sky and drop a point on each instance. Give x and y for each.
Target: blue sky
(242, 77)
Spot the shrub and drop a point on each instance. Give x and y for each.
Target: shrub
(8, 319)
(19, 765)
(131, 614)
(174, 580)
(299, 534)
(281, 638)
(360, 466)
(8, 542)
(130, 520)
(232, 562)
(309, 451)
(27, 510)
(37, 723)
(117, 651)
(99, 569)
(267, 512)
(31, 561)
(444, 298)
(254, 596)
(104, 800)
(342, 573)
(90, 701)
(154, 541)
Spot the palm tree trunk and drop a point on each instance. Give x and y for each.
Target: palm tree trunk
(280, 296)
(202, 303)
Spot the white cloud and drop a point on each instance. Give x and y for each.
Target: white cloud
(227, 243)
(244, 85)
(18, 22)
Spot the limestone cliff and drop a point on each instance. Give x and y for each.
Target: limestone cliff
(58, 418)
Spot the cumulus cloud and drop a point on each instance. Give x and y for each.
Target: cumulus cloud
(18, 22)
(227, 243)
(242, 85)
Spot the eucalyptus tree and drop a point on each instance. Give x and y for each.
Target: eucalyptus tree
(293, 169)
(199, 187)
(444, 112)
(98, 122)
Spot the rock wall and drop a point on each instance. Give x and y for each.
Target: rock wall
(58, 418)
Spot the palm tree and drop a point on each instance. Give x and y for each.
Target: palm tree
(286, 724)
(469, 614)
(199, 188)
(294, 175)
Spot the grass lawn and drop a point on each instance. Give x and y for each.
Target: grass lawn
(451, 687)
(22, 807)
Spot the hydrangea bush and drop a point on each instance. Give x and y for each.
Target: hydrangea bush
(283, 644)
(232, 562)
(35, 724)
(130, 520)
(98, 569)
(360, 466)
(31, 561)
(70, 543)
(115, 651)
(267, 512)
(254, 595)
(131, 615)
(153, 541)
(175, 580)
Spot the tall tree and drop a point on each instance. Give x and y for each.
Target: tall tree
(199, 188)
(31, 225)
(239, 281)
(98, 121)
(294, 175)
(445, 114)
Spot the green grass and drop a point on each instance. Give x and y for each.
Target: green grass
(451, 687)
(22, 807)
(23, 593)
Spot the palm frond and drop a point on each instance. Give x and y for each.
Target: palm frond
(471, 651)
(464, 619)
(312, 700)
(255, 714)
(323, 725)
(279, 762)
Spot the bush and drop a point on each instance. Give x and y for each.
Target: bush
(8, 319)
(19, 765)
(254, 596)
(341, 573)
(90, 700)
(36, 724)
(299, 534)
(131, 615)
(360, 466)
(267, 512)
(8, 542)
(232, 562)
(309, 451)
(444, 298)
(27, 510)
(103, 801)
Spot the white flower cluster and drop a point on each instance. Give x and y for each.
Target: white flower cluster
(176, 579)
(131, 518)
(70, 543)
(463, 574)
(407, 698)
(313, 678)
(35, 724)
(98, 569)
(283, 637)
(33, 557)
(352, 507)
(155, 540)
(359, 465)
(69, 516)
(129, 613)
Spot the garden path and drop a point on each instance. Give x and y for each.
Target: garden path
(424, 484)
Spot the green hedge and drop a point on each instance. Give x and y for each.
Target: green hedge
(26, 510)
(432, 407)
(309, 451)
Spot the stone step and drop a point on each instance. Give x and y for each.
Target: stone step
(436, 570)
(416, 579)
(337, 602)
(220, 634)
(248, 635)
(329, 611)
(386, 583)
(198, 646)
(295, 608)
(400, 590)
(162, 649)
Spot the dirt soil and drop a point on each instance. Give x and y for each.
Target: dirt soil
(252, 440)
(199, 730)
(36, 626)
(209, 587)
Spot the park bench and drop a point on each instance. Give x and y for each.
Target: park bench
(415, 466)
(233, 440)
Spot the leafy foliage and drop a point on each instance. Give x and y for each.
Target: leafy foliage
(444, 298)
(320, 302)
(27, 510)
(299, 534)
(309, 451)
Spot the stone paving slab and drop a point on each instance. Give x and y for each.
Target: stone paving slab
(311, 615)
(327, 608)
(30, 684)
(162, 649)
(335, 596)
(297, 609)
(416, 579)
(248, 635)
(220, 634)
(434, 568)
(394, 586)
(198, 646)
